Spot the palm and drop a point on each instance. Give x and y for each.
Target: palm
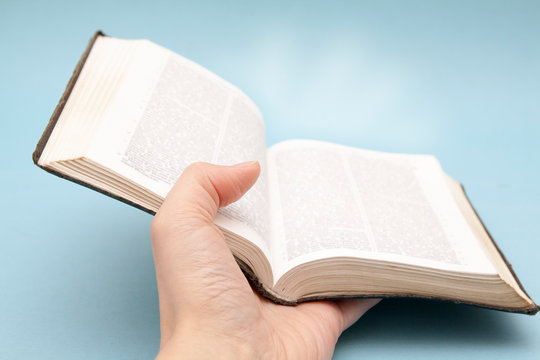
(307, 331)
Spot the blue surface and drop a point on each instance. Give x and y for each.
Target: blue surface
(458, 79)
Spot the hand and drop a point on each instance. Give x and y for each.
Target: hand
(208, 310)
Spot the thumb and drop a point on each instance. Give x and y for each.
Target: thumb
(203, 188)
(190, 254)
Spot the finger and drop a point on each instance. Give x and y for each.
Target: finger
(183, 232)
(203, 188)
(188, 248)
(353, 309)
(190, 253)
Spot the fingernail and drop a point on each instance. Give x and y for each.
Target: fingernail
(245, 164)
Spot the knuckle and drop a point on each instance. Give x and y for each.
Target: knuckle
(177, 223)
(196, 167)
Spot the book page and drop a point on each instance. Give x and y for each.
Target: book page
(170, 112)
(331, 200)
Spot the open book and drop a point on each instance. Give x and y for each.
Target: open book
(322, 221)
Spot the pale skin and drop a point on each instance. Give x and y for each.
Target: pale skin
(208, 310)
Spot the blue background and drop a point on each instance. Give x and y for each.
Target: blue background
(457, 79)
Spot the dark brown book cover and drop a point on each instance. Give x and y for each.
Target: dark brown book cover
(268, 293)
(54, 118)
(63, 100)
